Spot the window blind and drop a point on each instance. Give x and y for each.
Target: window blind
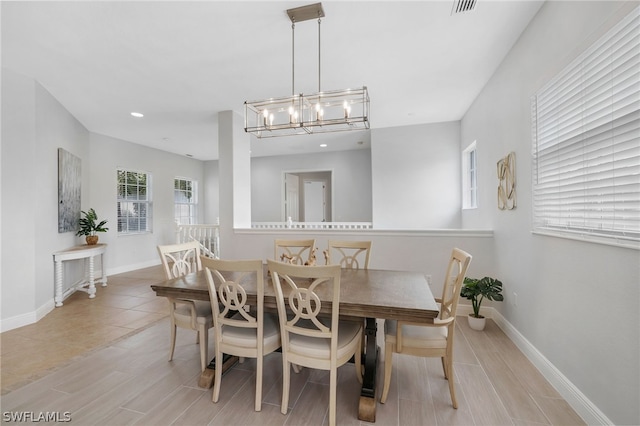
(586, 141)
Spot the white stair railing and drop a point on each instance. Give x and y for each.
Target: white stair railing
(207, 235)
(346, 226)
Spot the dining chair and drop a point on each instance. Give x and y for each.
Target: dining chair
(429, 340)
(296, 252)
(239, 330)
(308, 338)
(349, 254)
(179, 260)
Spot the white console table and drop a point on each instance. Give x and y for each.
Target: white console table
(87, 285)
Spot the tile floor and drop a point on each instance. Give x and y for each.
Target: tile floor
(103, 361)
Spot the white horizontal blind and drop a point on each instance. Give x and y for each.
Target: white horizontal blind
(586, 141)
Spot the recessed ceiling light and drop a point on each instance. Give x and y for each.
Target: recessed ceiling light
(323, 145)
(189, 155)
(137, 114)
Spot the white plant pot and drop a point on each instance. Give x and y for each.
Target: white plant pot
(477, 323)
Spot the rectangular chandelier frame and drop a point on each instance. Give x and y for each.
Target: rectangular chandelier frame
(327, 111)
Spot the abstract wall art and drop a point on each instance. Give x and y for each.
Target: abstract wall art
(69, 179)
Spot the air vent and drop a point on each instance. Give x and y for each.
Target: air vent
(461, 6)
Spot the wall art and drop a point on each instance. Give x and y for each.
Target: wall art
(69, 179)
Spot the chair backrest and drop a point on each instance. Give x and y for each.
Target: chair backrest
(456, 271)
(296, 252)
(180, 259)
(301, 290)
(349, 254)
(228, 281)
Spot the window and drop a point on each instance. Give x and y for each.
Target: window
(586, 143)
(185, 195)
(469, 178)
(134, 202)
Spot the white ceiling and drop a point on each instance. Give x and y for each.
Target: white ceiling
(180, 63)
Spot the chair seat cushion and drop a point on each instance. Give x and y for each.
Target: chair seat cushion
(417, 336)
(246, 337)
(320, 348)
(203, 311)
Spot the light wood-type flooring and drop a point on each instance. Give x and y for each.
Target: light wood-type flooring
(104, 362)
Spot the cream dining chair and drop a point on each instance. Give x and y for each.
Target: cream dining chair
(240, 331)
(296, 252)
(179, 260)
(349, 254)
(308, 339)
(429, 340)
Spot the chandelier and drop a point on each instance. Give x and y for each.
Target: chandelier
(324, 111)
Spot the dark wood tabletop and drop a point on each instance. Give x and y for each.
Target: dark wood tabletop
(400, 295)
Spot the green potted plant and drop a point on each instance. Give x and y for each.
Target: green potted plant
(477, 290)
(89, 226)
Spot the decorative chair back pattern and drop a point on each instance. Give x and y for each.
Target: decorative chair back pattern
(349, 254)
(297, 288)
(180, 259)
(295, 252)
(456, 271)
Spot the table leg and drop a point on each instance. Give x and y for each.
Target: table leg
(58, 292)
(103, 276)
(367, 404)
(92, 282)
(209, 373)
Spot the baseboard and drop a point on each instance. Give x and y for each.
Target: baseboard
(128, 268)
(574, 397)
(35, 316)
(26, 319)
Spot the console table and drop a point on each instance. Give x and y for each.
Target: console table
(88, 284)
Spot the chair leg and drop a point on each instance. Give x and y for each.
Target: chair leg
(452, 389)
(333, 379)
(204, 345)
(258, 406)
(218, 376)
(444, 368)
(173, 340)
(358, 361)
(388, 361)
(286, 376)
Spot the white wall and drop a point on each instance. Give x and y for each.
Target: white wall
(34, 126)
(351, 183)
(416, 178)
(128, 252)
(578, 303)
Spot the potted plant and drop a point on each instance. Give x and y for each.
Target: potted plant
(89, 226)
(476, 290)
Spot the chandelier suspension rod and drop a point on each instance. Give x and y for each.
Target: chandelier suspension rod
(293, 57)
(319, 53)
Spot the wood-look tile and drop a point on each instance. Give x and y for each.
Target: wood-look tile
(168, 409)
(416, 413)
(412, 377)
(484, 402)
(514, 396)
(107, 361)
(558, 411)
(312, 407)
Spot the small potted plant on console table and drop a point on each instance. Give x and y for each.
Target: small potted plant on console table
(476, 290)
(89, 226)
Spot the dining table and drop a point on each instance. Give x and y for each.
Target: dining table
(367, 294)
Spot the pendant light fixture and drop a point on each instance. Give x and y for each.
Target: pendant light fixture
(324, 111)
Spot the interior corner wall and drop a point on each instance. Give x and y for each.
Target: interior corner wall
(211, 186)
(127, 252)
(578, 303)
(34, 126)
(416, 176)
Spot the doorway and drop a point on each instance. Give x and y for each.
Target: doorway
(307, 196)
